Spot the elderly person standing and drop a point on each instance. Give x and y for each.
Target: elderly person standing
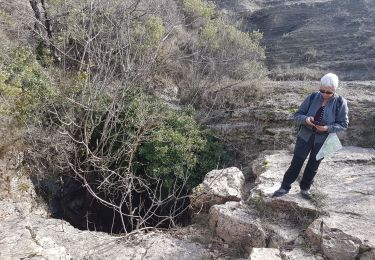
(321, 113)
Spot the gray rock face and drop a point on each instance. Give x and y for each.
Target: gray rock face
(334, 243)
(298, 254)
(265, 253)
(281, 234)
(367, 255)
(237, 224)
(218, 187)
(344, 190)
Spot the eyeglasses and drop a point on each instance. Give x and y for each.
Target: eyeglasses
(325, 92)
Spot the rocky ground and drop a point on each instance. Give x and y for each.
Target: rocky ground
(342, 207)
(234, 215)
(231, 222)
(337, 223)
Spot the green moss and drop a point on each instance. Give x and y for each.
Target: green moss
(269, 115)
(265, 163)
(24, 187)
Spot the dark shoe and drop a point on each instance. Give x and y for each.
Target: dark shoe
(280, 192)
(306, 194)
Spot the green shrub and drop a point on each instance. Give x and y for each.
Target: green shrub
(43, 54)
(180, 149)
(106, 131)
(220, 51)
(168, 146)
(23, 82)
(233, 52)
(147, 35)
(199, 8)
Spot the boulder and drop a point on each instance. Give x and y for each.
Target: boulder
(265, 253)
(369, 255)
(237, 223)
(218, 187)
(335, 243)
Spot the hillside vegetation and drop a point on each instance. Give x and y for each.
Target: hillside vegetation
(97, 84)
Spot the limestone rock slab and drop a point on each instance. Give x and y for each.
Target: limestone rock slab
(280, 234)
(36, 236)
(333, 239)
(218, 187)
(235, 223)
(270, 169)
(298, 254)
(265, 253)
(370, 255)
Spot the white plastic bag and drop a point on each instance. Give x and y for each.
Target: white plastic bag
(331, 144)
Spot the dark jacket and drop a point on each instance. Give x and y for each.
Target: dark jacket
(335, 115)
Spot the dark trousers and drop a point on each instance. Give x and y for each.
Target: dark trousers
(301, 151)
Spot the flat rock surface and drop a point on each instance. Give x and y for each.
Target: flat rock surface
(46, 238)
(265, 253)
(344, 190)
(298, 254)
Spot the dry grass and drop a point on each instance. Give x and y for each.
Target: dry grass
(298, 74)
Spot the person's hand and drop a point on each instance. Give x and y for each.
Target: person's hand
(321, 128)
(310, 120)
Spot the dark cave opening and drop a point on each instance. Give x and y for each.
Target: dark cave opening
(69, 200)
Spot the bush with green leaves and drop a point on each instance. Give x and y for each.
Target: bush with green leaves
(23, 82)
(157, 143)
(199, 8)
(180, 149)
(229, 51)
